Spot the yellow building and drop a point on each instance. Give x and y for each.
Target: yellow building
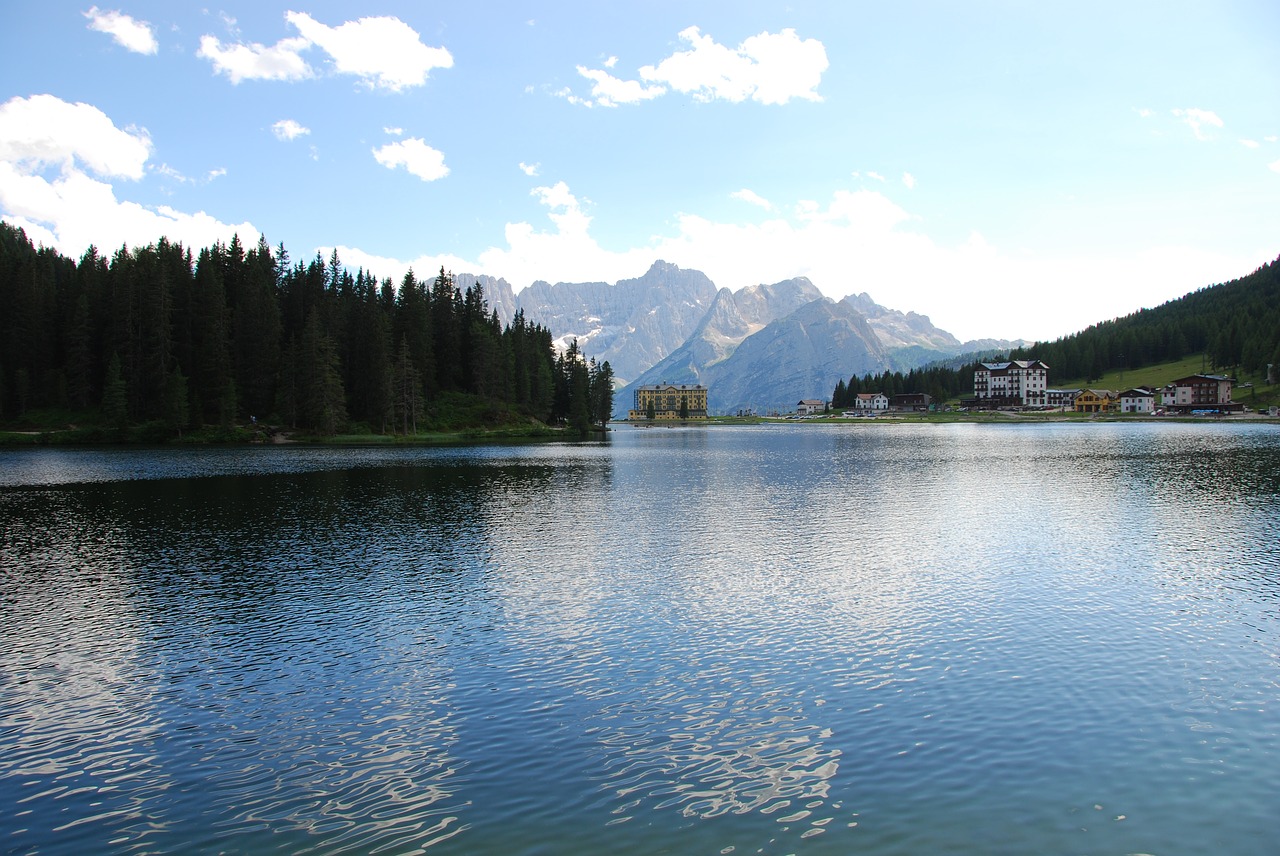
(670, 401)
(1095, 401)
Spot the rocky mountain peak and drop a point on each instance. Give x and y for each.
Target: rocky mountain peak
(764, 346)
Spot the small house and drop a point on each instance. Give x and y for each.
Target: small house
(1094, 401)
(1137, 400)
(1062, 399)
(871, 401)
(911, 401)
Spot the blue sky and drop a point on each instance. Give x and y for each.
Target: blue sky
(1009, 169)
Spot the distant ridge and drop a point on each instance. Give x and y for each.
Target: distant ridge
(673, 324)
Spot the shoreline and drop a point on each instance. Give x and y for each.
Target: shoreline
(94, 438)
(985, 417)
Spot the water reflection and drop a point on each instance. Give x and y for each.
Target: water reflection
(264, 629)
(874, 639)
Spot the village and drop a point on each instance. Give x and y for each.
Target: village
(1012, 385)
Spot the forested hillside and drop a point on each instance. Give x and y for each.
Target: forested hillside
(157, 335)
(940, 381)
(1235, 325)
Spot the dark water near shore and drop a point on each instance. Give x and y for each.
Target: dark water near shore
(774, 639)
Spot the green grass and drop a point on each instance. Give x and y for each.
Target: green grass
(1258, 396)
(1151, 377)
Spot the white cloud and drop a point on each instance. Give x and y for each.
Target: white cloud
(74, 211)
(288, 129)
(877, 176)
(610, 91)
(169, 172)
(1144, 112)
(43, 131)
(909, 180)
(281, 61)
(1250, 144)
(858, 240)
(770, 68)
(861, 240)
(393, 132)
(826, 238)
(1198, 119)
(752, 198)
(529, 169)
(559, 196)
(568, 253)
(383, 52)
(1274, 165)
(136, 36)
(71, 210)
(1270, 139)
(415, 156)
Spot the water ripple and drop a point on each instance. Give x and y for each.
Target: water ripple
(935, 639)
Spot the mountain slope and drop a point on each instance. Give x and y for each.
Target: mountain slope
(499, 294)
(733, 317)
(903, 329)
(801, 355)
(633, 324)
(674, 325)
(1236, 324)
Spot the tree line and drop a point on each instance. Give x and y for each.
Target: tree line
(160, 335)
(1236, 325)
(940, 382)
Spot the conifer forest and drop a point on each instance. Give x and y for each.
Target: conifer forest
(176, 340)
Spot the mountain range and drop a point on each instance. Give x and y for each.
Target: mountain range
(761, 348)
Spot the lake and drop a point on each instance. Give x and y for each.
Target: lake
(871, 639)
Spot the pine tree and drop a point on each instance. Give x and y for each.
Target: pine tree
(115, 396)
(446, 332)
(579, 408)
(176, 408)
(407, 390)
(322, 400)
(601, 383)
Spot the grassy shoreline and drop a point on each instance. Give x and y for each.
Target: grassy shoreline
(263, 435)
(68, 435)
(957, 417)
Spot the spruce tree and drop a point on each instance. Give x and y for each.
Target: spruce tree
(115, 396)
(176, 412)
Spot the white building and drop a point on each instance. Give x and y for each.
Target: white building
(810, 406)
(1015, 383)
(1137, 400)
(871, 401)
(1204, 391)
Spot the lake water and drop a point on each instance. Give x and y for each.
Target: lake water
(863, 639)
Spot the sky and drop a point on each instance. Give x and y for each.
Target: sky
(1010, 169)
